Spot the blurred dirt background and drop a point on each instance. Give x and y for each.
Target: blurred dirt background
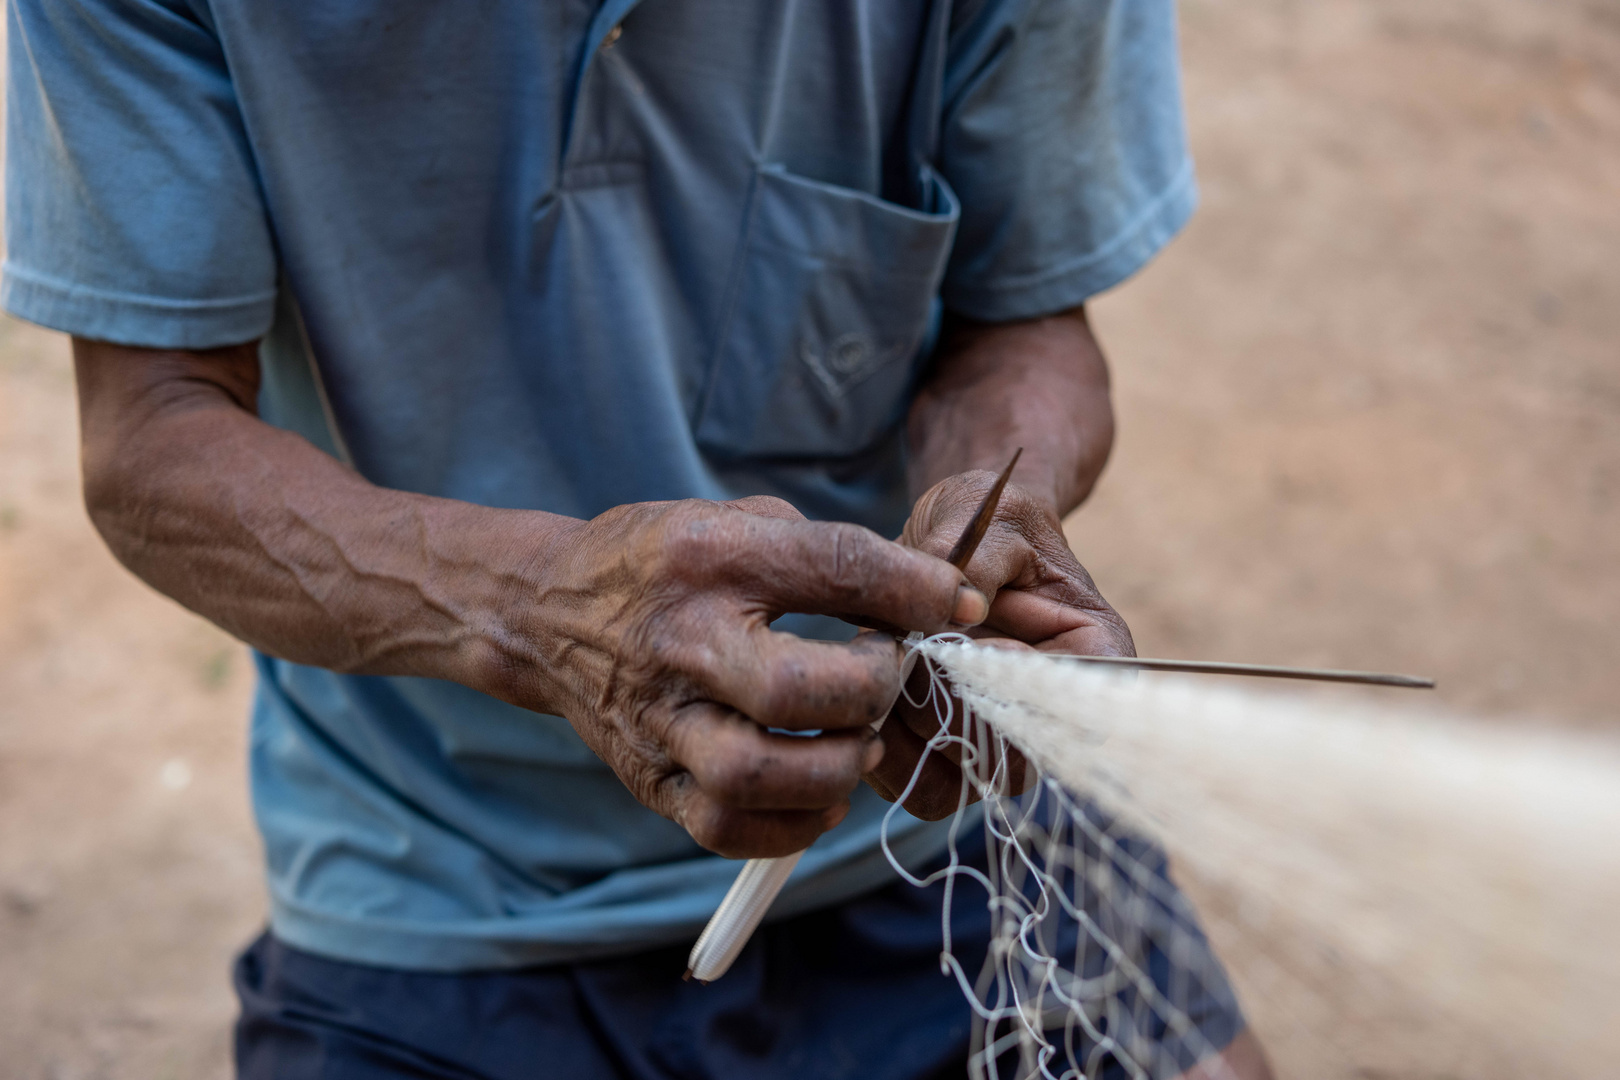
(1370, 417)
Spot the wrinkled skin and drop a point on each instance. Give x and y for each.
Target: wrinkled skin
(1041, 385)
(1042, 599)
(673, 675)
(647, 626)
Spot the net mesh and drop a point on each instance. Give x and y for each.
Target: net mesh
(1406, 894)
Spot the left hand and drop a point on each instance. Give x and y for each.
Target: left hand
(1041, 599)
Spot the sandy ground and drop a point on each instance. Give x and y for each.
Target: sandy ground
(1369, 413)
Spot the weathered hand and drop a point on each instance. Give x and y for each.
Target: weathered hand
(653, 639)
(1042, 598)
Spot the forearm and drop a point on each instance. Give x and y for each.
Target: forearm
(291, 551)
(1041, 384)
(647, 626)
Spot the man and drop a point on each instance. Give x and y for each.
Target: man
(500, 372)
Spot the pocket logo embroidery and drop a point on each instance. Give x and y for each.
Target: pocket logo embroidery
(847, 361)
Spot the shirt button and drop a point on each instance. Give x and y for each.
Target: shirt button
(613, 35)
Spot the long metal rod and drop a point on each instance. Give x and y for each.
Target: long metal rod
(1268, 671)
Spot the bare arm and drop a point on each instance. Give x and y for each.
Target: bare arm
(647, 627)
(1041, 384)
(278, 543)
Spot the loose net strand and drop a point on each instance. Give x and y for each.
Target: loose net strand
(1461, 877)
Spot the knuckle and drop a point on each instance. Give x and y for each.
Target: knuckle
(693, 658)
(670, 792)
(781, 506)
(770, 506)
(948, 506)
(669, 660)
(687, 540)
(739, 778)
(851, 559)
(659, 646)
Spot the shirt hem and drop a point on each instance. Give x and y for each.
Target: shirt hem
(495, 944)
(1029, 296)
(131, 319)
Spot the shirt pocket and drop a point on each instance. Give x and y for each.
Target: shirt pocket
(833, 297)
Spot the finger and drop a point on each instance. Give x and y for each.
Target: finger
(784, 681)
(834, 568)
(1008, 553)
(938, 788)
(739, 765)
(781, 680)
(1059, 627)
(944, 511)
(750, 834)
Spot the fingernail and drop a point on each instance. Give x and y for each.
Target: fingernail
(972, 606)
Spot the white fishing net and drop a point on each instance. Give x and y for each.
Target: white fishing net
(1401, 894)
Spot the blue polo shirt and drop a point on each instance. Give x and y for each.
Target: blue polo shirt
(561, 255)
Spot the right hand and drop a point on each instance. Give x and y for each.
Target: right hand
(1041, 599)
(651, 633)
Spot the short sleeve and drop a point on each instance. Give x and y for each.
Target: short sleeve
(133, 210)
(1062, 133)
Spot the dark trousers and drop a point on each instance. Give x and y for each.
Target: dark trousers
(852, 992)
